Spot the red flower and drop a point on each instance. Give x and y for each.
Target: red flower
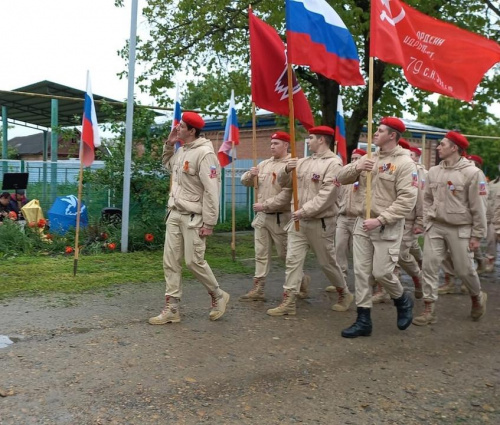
(149, 237)
(31, 224)
(111, 246)
(12, 215)
(68, 250)
(49, 236)
(104, 236)
(41, 223)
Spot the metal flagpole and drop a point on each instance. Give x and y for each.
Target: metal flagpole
(128, 128)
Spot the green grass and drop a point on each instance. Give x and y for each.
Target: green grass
(28, 274)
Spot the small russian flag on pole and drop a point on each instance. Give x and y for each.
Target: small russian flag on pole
(177, 115)
(90, 131)
(226, 153)
(340, 131)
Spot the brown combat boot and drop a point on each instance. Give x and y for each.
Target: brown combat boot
(449, 285)
(428, 316)
(304, 287)
(169, 314)
(418, 286)
(490, 265)
(344, 301)
(257, 292)
(219, 303)
(379, 295)
(287, 306)
(478, 305)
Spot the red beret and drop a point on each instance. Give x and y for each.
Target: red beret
(193, 119)
(404, 144)
(281, 135)
(322, 129)
(476, 158)
(418, 151)
(394, 123)
(358, 152)
(458, 139)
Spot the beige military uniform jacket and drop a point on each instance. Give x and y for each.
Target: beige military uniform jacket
(273, 197)
(394, 185)
(493, 189)
(316, 189)
(416, 216)
(456, 195)
(195, 179)
(350, 196)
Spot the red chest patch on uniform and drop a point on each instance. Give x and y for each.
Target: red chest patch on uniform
(355, 186)
(213, 172)
(186, 166)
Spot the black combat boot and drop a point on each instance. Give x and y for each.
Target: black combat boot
(362, 326)
(404, 304)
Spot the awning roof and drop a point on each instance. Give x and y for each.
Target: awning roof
(33, 104)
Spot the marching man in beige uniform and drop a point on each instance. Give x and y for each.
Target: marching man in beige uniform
(272, 213)
(193, 210)
(414, 225)
(317, 215)
(415, 154)
(455, 220)
(377, 240)
(350, 195)
(491, 239)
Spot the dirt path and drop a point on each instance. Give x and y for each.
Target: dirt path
(93, 359)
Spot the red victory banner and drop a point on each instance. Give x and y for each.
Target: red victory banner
(435, 56)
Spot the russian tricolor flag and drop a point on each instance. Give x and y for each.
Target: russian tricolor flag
(90, 131)
(226, 152)
(177, 116)
(340, 131)
(318, 38)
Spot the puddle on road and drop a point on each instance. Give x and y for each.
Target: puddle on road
(5, 341)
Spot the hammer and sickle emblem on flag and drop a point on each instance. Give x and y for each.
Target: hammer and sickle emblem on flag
(385, 17)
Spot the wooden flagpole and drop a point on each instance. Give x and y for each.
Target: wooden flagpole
(369, 139)
(293, 151)
(254, 150)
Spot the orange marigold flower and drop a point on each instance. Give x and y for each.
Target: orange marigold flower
(31, 224)
(68, 250)
(111, 246)
(149, 237)
(41, 223)
(12, 215)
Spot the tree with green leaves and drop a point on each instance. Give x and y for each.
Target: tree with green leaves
(471, 120)
(208, 43)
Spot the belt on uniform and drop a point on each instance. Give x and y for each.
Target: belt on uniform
(277, 216)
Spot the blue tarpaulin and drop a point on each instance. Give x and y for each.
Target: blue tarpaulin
(62, 214)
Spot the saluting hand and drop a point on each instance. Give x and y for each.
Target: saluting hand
(364, 164)
(172, 137)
